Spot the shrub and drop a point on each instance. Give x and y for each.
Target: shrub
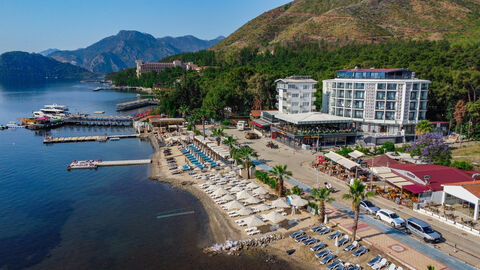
(225, 122)
(389, 147)
(296, 190)
(197, 132)
(344, 151)
(462, 165)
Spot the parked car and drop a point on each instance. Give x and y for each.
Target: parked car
(368, 207)
(390, 217)
(251, 135)
(423, 230)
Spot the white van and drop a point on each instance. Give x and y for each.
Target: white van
(241, 125)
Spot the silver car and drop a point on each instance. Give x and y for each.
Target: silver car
(368, 207)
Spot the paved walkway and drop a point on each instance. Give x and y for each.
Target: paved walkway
(397, 244)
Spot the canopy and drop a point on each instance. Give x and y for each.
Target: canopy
(274, 217)
(244, 194)
(356, 154)
(252, 185)
(345, 162)
(381, 170)
(245, 211)
(297, 201)
(252, 200)
(415, 188)
(233, 205)
(261, 207)
(228, 197)
(280, 203)
(220, 192)
(253, 221)
(260, 191)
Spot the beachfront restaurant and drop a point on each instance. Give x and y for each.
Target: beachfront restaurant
(313, 129)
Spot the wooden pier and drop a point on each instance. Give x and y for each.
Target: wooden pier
(99, 120)
(136, 104)
(49, 140)
(124, 162)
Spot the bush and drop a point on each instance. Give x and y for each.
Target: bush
(362, 149)
(296, 190)
(389, 147)
(462, 165)
(273, 183)
(344, 151)
(225, 123)
(197, 132)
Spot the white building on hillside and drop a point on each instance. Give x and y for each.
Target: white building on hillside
(296, 94)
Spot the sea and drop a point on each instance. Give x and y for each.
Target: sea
(109, 218)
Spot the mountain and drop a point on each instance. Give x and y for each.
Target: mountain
(358, 21)
(23, 66)
(47, 52)
(190, 43)
(122, 50)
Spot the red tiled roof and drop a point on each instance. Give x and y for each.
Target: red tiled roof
(373, 69)
(439, 175)
(382, 161)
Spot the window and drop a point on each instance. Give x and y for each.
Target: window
(424, 95)
(357, 104)
(347, 113)
(359, 86)
(379, 115)
(295, 95)
(415, 86)
(391, 95)
(341, 93)
(423, 105)
(421, 116)
(390, 105)
(411, 116)
(413, 95)
(339, 112)
(306, 104)
(348, 94)
(306, 86)
(339, 103)
(292, 86)
(294, 104)
(391, 86)
(424, 86)
(294, 111)
(359, 94)
(380, 105)
(349, 86)
(381, 95)
(413, 105)
(340, 85)
(381, 86)
(358, 114)
(389, 115)
(348, 103)
(306, 95)
(334, 85)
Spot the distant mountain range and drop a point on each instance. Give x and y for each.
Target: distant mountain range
(47, 52)
(358, 21)
(23, 66)
(121, 50)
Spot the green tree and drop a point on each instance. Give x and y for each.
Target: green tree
(183, 110)
(388, 147)
(244, 156)
(231, 143)
(423, 126)
(279, 173)
(322, 195)
(218, 133)
(357, 192)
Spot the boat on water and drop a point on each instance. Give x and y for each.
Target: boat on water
(2, 127)
(83, 164)
(54, 111)
(13, 124)
(114, 139)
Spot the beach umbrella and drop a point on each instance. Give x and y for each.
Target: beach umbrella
(261, 207)
(260, 191)
(253, 221)
(252, 200)
(233, 205)
(244, 194)
(204, 177)
(297, 201)
(252, 186)
(228, 197)
(274, 217)
(280, 203)
(220, 192)
(236, 189)
(197, 169)
(245, 211)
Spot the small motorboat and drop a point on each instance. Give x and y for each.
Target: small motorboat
(114, 139)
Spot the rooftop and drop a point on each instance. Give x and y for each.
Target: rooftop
(373, 69)
(311, 118)
(297, 79)
(470, 186)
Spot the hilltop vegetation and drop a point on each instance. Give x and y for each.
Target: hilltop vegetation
(245, 79)
(343, 22)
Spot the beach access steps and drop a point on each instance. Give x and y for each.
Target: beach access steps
(49, 140)
(136, 104)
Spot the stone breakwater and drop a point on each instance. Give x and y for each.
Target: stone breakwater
(235, 247)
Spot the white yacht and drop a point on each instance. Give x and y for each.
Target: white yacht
(54, 112)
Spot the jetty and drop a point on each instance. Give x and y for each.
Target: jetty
(94, 164)
(50, 139)
(98, 120)
(135, 104)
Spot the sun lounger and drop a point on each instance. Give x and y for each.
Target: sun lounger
(334, 235)
(399, 268)
(253, 232)
(296, 234)
(309, 241)
(334, 265)
(319, 246)
(302, 238)
(375, 260)
(327, 258)
(392, 267)
(251, 229)
(322, 253)
(352, 246)
(360, 251)
(343, 241)
(380, 264)
(234, 215)
(324, 231)
(316, 228)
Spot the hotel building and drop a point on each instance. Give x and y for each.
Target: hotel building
(296, 94)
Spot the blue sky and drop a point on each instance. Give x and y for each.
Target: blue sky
(35, 25)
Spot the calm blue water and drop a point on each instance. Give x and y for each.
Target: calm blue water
(51, 218)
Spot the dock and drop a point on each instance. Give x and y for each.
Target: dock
(99, 120)
(50, 140)
(94, 164)
(135, 104)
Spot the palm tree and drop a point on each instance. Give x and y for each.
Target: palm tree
(356, 194)
(183, 110)
(322, 195)
(230, 142)
(423, 126)
(218, 132)
(202, 113)
(430, 267)
(244, 156)
(279, 173)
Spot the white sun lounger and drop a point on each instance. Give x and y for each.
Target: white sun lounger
(251, 229)
(253, 232)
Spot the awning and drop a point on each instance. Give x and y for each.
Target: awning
(260, 123)
(416, 188)
(356, 154)
(345, 162)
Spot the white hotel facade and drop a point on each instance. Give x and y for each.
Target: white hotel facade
(387, 102)
(296, 94)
